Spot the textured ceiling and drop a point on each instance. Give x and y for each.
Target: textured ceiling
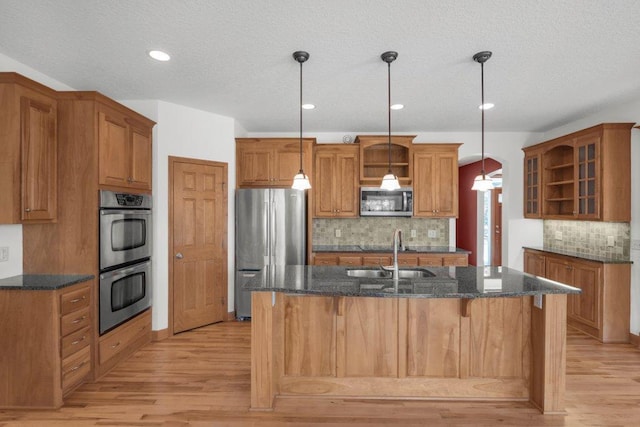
(553, 60)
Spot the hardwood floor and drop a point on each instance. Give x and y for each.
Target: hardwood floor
(202, 377)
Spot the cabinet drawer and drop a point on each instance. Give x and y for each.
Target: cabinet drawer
(119, 339)
(75, 368)
(75, 342)
(408, 261)
(455, 260)
(74, 300)
(376, 260)
(430, 261)
(349, 260)
(322, 260)
(74, 321)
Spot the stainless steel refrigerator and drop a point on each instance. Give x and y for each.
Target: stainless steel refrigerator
(270, 230)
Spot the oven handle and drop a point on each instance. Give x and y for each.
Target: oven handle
(126, 271)
(146, 212)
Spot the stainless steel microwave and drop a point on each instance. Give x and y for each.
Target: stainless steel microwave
(377, 202)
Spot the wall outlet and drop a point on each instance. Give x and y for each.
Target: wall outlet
(558, 235)
(635, 245)
(338, 232)
(611, 241)
(432, 234)
(4, 254)
(414, 233)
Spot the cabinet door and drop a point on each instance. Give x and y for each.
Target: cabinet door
(587, 179)
(585, 306)
(559, 270)
(424, 194)
(346, 184)
(254, 166)
(532, 185)
(286, 163)
(39, 160)
(140, 138)
(324, 185)
(447, 184)
(534, 264)
(113, 148)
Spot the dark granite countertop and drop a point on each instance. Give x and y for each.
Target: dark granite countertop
(596, 258)
(444, 282)
(43, 282)
(387, 248)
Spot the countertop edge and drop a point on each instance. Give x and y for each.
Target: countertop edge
(43, 282)
(602, 260)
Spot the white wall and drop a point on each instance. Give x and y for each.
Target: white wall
(626, 113)
(11, 235)
(184, 132)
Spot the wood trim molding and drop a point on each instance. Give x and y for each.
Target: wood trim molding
(231, 316)
(634, 339)
(160, 335)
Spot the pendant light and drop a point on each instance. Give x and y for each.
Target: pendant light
(389, 181)
(301, 181)
(482, 182)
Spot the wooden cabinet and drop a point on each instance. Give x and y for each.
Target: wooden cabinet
(435, 184)
(375, 155)
(602, 308)
(124, 150)
(122, 342)
(271, 162)
(28, 151)
(47, 344)
(585, 175)
(381, 258)
(335, 189)
(532, 179)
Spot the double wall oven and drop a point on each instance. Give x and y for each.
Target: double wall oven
(125, 257)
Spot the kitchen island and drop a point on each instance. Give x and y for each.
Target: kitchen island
(456, 333)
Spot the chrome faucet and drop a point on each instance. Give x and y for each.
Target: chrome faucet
(397, 243)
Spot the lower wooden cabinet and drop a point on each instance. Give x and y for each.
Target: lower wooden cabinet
(602, 309)
(122, 342)
(404, 259)
(46, 346)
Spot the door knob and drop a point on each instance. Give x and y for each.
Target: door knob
(179, 255)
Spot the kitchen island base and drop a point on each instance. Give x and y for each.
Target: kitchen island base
(408, 348)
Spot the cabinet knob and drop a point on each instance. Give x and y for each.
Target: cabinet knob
(27, 210)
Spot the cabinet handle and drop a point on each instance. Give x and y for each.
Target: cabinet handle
(75, 368)
(78, 341)
(80, 319)
(116, 345)
(27, 210)
(73, 301)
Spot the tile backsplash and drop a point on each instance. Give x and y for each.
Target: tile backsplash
(379, 231)
(589, 237)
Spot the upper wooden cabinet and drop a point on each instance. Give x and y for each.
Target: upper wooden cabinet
(374, 158)
(28, 151)
(585, 175)
(335, 189)
(120, 138)
(435, 183)
(124, 150)
(271, 162)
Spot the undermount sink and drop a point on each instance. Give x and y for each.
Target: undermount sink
(381, 274)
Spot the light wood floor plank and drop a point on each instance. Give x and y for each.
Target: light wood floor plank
(202, 378)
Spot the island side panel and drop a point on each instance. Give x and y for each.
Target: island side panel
(549, 353)
(262, 351)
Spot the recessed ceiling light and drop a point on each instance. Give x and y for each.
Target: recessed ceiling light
(397, 107)
(308, 106)
(159, 55)
(486, 106)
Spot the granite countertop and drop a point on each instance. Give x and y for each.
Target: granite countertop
(388, 248)
(444, 282)
(596, 258)
(43, 282)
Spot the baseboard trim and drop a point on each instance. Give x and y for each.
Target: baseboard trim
(231, 316)
(634, 339)
(160, 335)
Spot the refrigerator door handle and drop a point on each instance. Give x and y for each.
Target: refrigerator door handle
(274, 241)
(266, 235)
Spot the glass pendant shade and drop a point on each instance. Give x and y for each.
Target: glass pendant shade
(390, 182)
(482, 183)
(301, 182)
